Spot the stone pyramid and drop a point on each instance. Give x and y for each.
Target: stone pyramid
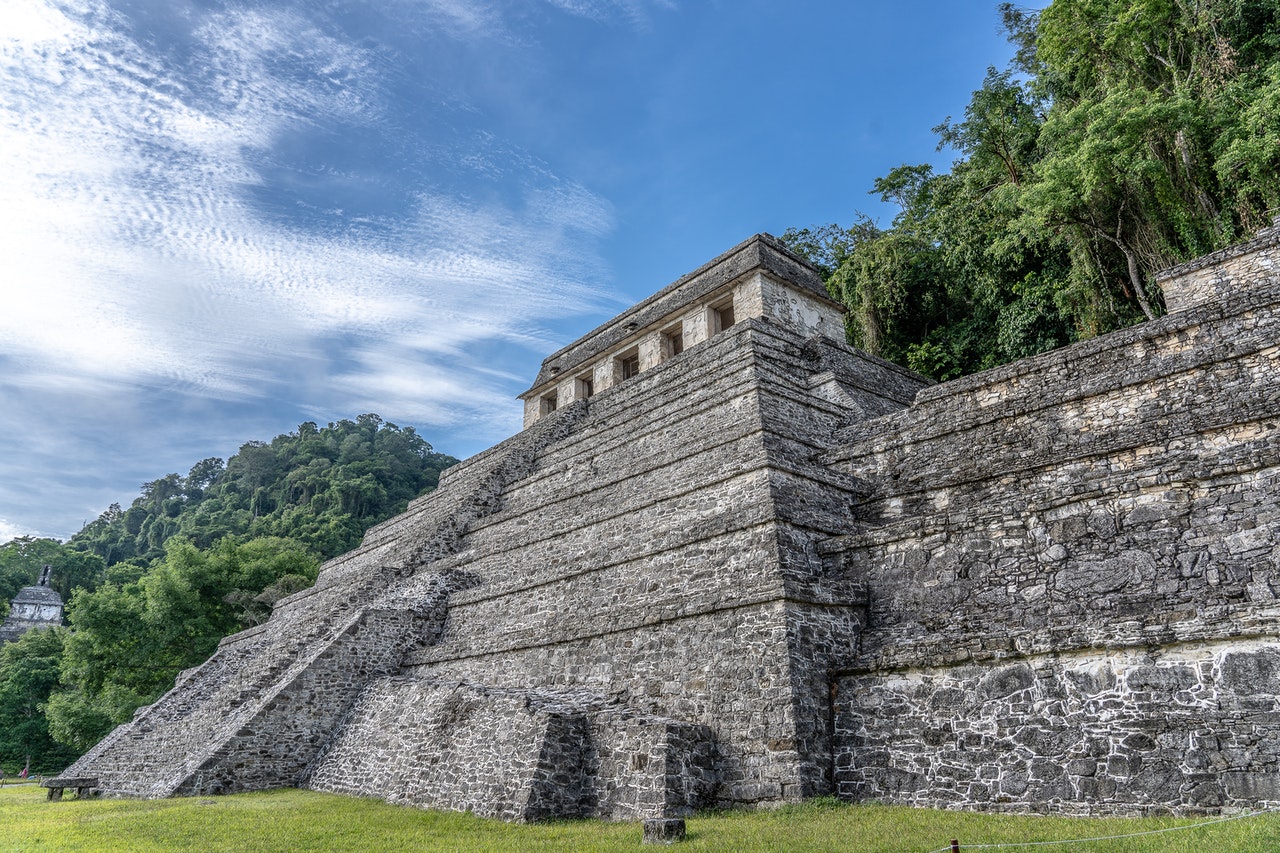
(731, 560)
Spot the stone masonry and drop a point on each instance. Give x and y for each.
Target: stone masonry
(731, 560)
(34, 607)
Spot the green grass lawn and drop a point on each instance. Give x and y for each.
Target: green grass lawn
(291, 821)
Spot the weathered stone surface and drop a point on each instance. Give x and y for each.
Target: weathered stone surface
(1092, 732)
(515, 753)
(1216, 275)
(33, 608)
(663, 830)
(1072, 564)
(768, 566)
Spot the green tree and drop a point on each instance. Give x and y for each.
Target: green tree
(319, 485)
(1127, 136)
(827, 246)
(1147, 98)
(134, 635)
(28, 675)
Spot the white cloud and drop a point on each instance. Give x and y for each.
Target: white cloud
(9, 531)
(470, 18)
(139, 258)
(132, 251)
(394, 379)
(464, 17)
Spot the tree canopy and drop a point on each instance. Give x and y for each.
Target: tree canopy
(320, 486)
(1125, 137)
(132, 637)
(29, 671)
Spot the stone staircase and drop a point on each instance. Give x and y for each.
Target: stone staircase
(259, 710)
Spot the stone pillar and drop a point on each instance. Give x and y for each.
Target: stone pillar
(532, 410)
(697, 325)
(564, 392)
(743, 305)
(749, 298)
(650, 350)
(608, 373)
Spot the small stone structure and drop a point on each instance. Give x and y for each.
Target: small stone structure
(83, 785)
(33, 607)
(731, 560)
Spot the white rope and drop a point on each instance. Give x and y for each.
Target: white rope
(948, 848)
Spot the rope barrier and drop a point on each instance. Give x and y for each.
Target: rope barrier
(951, 847)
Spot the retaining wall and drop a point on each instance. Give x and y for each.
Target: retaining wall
(1071, 563)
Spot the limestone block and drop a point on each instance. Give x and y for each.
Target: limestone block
(663, 830)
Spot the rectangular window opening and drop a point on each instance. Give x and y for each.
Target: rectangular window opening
(584, 387)
(547, 404)
(724, 316)
(630, 363)
(673, 342)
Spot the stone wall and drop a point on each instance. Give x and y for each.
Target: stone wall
(1186, 727)
(1071, 562)
(1221, 274)
(516, 754)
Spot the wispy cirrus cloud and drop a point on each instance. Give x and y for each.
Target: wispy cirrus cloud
(141, 181)
(634, 11)
(173, 232)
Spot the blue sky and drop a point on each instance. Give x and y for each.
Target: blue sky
(221, 219)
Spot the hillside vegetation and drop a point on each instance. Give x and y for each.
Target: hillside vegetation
(152, 589)
(321, 487)
(1125, 137)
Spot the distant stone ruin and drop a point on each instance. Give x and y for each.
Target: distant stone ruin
(731, 560)
(33, 607)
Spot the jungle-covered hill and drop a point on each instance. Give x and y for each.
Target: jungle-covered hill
(151, 589)
(318, 486)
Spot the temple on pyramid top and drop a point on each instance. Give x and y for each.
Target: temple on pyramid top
(759, 277)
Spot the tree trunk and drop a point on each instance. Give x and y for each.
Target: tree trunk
(1135, 278)
(1131, 261)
